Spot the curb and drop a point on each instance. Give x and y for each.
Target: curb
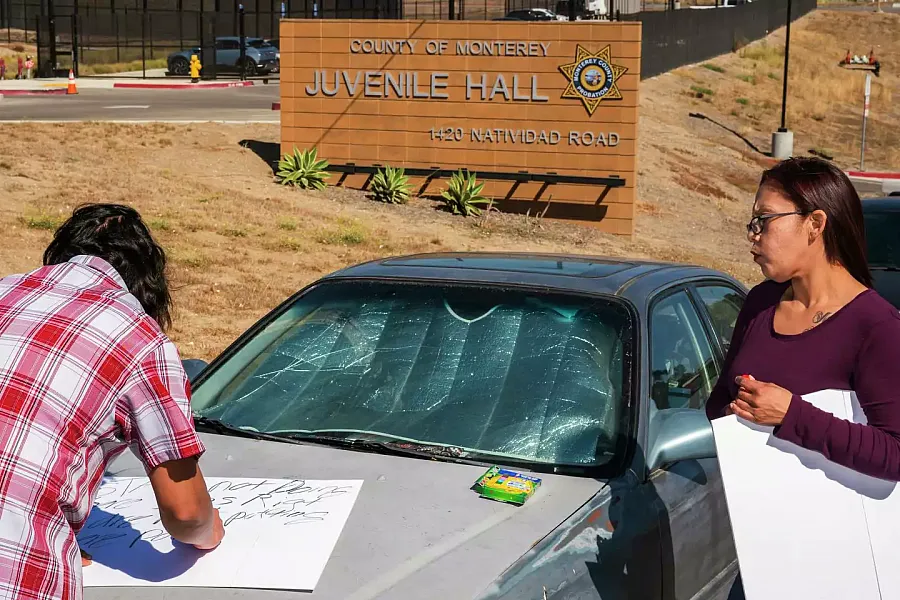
(183, 86)
(57, 92)
(873, 175)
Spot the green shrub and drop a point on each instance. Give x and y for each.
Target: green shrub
(763, 52)
(742, 101)
(347, 233)
(391, 185)
(236, 232)
(463, 195)
(713, 68)
(287, 224)
(701, 91)
(42, 220)
(160, 225)
(303, 170)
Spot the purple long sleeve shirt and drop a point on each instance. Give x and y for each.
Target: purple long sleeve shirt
(857, 348)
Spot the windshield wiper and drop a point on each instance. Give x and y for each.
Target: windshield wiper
(397, 448)
(884, 268)
(223, 428)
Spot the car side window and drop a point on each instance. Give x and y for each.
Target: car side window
(683, 369)
(723, 303)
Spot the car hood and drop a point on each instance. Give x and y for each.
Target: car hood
(417, 528)
(887, 283)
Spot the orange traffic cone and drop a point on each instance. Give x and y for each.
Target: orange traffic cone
(72, 89)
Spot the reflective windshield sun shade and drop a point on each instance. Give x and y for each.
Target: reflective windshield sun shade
(533, 376)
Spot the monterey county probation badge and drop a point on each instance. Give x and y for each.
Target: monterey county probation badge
(592, 78)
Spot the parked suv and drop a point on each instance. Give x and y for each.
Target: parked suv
(260, 57)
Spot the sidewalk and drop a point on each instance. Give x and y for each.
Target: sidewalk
(49, 85)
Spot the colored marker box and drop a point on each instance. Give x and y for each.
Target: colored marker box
(506, 486)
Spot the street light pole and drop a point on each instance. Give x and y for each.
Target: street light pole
(862, 146)
(787, 55)
(783, 140)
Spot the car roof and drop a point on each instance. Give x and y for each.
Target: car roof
(571, 272)
(889, 203)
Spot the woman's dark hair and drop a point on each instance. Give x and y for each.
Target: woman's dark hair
(118, 235)
(815, 184)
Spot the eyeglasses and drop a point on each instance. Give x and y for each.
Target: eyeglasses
(758, 223)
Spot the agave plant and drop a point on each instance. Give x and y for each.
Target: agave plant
(303, 170)
(463, 195)
(391, 185)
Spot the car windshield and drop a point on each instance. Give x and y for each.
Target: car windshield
(259, 44)
(882, 239)
(536, 378)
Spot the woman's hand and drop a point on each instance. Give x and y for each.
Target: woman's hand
(759, 402)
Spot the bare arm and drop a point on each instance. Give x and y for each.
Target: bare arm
(155, 416)
(184, 504)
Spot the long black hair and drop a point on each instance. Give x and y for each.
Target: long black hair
(118, 235)
(815, 184)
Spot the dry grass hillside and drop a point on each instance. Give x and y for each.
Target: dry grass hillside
(239, 244)
(825, 102)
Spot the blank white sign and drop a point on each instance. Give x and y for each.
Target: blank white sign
(805, 527)
(279, 534)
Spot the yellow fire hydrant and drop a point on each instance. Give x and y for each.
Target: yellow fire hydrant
(195, 68)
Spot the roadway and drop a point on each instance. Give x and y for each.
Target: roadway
(249, 104)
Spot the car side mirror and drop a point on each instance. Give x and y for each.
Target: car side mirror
(193, 367)
(678, 434)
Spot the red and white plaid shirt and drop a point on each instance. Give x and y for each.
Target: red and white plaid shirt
(84, 374)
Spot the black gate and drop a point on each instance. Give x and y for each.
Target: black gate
(57, 39)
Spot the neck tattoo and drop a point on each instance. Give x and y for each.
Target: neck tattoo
(818, 318)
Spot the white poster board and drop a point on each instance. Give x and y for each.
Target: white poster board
(279, 534)
(805, 527)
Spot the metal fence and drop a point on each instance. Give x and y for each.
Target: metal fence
(96, 37)
(674, 38)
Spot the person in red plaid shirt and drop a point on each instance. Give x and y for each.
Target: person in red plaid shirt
(86, 371)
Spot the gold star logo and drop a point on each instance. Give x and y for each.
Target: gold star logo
(592, 78)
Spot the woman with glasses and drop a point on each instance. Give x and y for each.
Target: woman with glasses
(814, 324)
